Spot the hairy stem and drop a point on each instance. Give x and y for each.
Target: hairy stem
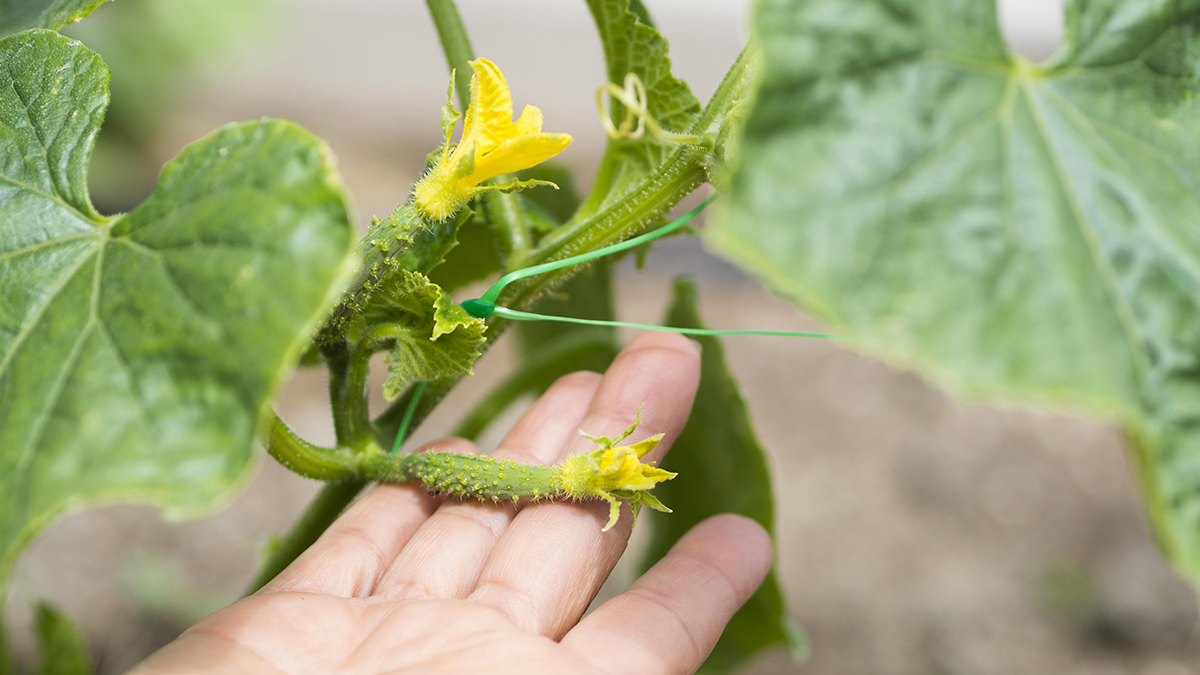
(456, 45)
(348, 370)
(304, 458)
(637, 210)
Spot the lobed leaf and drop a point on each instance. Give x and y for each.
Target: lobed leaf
(429, 336)
(1023, 232)
(137, 351)
(722, 469)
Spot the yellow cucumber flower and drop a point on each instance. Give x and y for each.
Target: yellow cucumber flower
(491, 145)
(615, 472)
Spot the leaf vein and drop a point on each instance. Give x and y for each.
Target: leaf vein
(174, 280)
(1103, 266)
(27, 327)
(44, 244)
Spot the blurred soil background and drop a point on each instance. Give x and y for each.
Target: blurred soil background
(917, 535)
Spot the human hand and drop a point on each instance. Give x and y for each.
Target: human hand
(408, 582)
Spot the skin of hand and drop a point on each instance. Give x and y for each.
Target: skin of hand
(406, 582)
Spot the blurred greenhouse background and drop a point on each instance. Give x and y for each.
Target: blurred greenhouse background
(917, 536)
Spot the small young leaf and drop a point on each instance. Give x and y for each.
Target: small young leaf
(722, 469)
(63, 649)
(136, 352)
(18, 15)
(404, 240)
(429, 336)
(1015, 231)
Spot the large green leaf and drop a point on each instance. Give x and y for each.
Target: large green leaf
(633, 45)
(1014, 231)
(63, 648)
(137, 351)
(722, 469)
(17, 15)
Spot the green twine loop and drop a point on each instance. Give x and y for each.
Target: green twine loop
(484, 306)
(505, 313)
(493, 293)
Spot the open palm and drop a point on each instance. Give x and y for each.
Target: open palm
(407, 582)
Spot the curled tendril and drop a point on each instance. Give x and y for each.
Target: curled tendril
(637, 120)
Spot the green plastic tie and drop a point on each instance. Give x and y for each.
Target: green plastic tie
(485, 306)
(493, 293)
(505, 313)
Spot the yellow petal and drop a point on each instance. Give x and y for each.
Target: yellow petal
(643, 448)
(489, 117)
(517, 153)
(645, 478)
(530, 121)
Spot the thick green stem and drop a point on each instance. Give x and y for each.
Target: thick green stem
(629, 216)
(348, 370)
(306, 459)
(456, 45)
(637, 210)
(329, 503)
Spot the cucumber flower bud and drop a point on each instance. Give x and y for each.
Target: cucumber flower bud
(491, 145)
(616, 473)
